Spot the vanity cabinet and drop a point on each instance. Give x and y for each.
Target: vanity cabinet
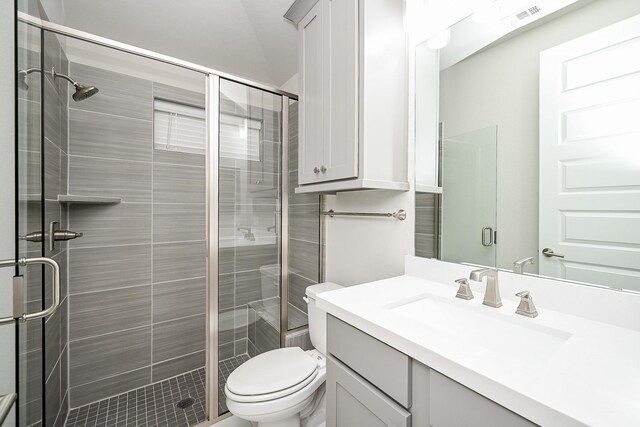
(369, 383)
(353, 89)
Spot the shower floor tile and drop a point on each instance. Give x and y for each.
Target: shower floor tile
(225, 367)
(153, 405)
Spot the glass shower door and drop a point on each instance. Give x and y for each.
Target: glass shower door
(250, 199)
(469, 192)
(30, 223)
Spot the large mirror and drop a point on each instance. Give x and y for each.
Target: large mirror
(535, 153)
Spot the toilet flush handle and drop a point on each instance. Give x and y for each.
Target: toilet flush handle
(305, 299)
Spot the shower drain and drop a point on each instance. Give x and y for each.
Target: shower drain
(185, 403)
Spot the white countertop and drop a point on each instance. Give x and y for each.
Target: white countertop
(589, 375)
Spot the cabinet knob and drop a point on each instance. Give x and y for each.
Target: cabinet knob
(316, 170)
(323, 169)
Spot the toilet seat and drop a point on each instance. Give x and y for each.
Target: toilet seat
(271, 375)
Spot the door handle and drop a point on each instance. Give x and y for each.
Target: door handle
(548, 252)
(18, 289)
(487, 241)
(6, 403)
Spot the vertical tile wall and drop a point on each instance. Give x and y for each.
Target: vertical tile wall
(137, 276)
(425, 234)
(55, 182)
(304, 231)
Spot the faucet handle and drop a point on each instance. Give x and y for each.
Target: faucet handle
(526, 306)
(464, 291)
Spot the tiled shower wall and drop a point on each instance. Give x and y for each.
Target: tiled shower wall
(137, 276)
(425, 234)
(304, 228)
(52, 138)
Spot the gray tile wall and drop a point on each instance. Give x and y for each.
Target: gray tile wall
(137, 276)
(55, 173)
(425, 232)
(304, 229)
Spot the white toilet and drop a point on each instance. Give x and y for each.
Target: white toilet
(284, 387)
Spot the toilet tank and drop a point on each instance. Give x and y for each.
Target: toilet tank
(317, 316)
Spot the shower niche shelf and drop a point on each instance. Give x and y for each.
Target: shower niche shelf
(88, 200)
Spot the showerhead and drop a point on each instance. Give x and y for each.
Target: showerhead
(83, 92)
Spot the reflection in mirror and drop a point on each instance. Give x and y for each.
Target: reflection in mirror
(563, 93)
(469, 197)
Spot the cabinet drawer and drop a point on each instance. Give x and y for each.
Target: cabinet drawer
(454, 405)
(353, 402)
(382, 365)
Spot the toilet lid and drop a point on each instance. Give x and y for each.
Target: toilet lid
(271, 372)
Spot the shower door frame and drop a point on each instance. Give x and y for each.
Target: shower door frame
(212, 197)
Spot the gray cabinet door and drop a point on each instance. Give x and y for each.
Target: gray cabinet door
(353, 402)
(453, 405)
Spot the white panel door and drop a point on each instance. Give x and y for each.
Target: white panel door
(590, 157)
(310, 56)
(340, 90)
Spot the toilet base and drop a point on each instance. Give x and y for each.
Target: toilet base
(292, 421)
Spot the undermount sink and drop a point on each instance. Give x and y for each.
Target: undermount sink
(490, 334)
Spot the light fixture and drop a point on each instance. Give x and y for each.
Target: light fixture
(440, 40)
(489, 12)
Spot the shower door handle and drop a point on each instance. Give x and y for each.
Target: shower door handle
(18, 290)
(487, 236)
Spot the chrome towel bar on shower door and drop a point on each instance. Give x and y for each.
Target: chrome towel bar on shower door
(18, 290)
(401, 215)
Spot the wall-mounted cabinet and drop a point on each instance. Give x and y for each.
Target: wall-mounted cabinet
(353, 91)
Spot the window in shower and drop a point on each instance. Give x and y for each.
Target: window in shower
(179, 127)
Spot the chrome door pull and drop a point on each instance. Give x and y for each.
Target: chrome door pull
(55, 234)
(18, 289)
(487, 241)
(548, 252)
(6, 403)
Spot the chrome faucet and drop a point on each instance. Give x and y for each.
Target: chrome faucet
(464, 291)
(272, 228)
(518, 266)
(492, 291)
(248, 235)
(526, 306)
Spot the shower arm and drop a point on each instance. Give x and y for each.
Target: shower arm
(52, 73)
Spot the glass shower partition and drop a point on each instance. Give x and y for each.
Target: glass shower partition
(124, 167)
(30, 223)
(250, 207)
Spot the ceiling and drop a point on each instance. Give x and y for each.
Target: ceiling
(246, 38)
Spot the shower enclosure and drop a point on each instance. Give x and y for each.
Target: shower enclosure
(164, 191)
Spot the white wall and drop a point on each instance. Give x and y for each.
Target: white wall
(7, 205)
(291, 85)
(360, 249)
(500, 87)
